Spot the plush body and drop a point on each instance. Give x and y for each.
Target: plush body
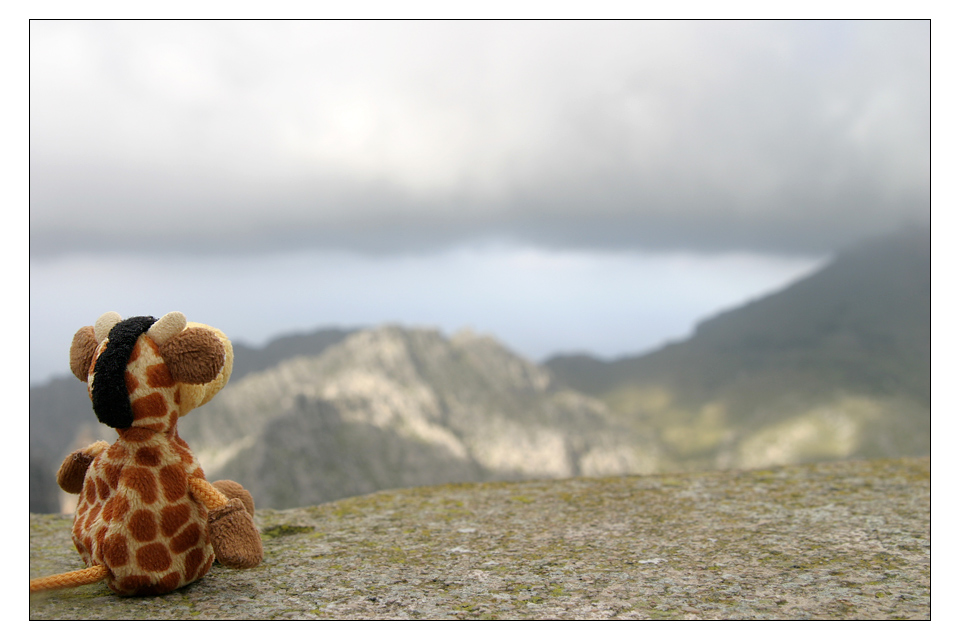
(147, 521)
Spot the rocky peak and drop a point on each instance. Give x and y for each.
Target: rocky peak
(386, 399)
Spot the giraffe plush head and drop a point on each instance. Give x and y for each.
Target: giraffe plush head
(191, 361)
(147, 521)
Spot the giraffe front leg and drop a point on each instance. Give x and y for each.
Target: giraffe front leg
(74, 468)
(235, 539)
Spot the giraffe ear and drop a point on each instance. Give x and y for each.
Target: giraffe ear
(81, 352)
(195, 355)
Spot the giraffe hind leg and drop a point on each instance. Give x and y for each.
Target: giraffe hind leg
(233, 489)
(233, 534)
(235, 539)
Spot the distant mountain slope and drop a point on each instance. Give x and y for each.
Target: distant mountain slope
(395, 407)
(835, 365)
(250, 359)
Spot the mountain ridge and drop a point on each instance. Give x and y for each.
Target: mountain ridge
(412, 406)
(845, 350)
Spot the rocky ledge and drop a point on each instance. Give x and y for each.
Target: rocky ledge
(847, 540)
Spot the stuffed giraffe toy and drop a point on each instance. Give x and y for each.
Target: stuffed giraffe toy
(147, 521)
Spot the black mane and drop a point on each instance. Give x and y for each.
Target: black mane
(111, 401)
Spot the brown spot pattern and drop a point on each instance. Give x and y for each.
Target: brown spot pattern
(115, 551)
(151, 406)
(158, 376)
(101, 536)
(103, 489)
(147, 456)
(173, 517)
(131, 381)
(117, 450)
(121, 505)
(92, 517)
(154, 350)
(173, 479)
(154, 557)
(193, 562)
(112, 473)
(185, 457)
(143, 525)
(169, 582)
(138, 434)
(142, 481)
(133, 585)
(186, 540)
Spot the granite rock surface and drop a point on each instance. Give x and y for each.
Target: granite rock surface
(848, 540)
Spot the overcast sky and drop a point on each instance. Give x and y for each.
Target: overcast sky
(566, 186)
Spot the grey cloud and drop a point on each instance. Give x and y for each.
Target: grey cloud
(213, 137)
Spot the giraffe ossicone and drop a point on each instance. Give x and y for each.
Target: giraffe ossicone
(104, 324)
(167, 327)
(145, 512)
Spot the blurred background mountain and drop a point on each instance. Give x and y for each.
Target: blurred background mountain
(834, 366)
